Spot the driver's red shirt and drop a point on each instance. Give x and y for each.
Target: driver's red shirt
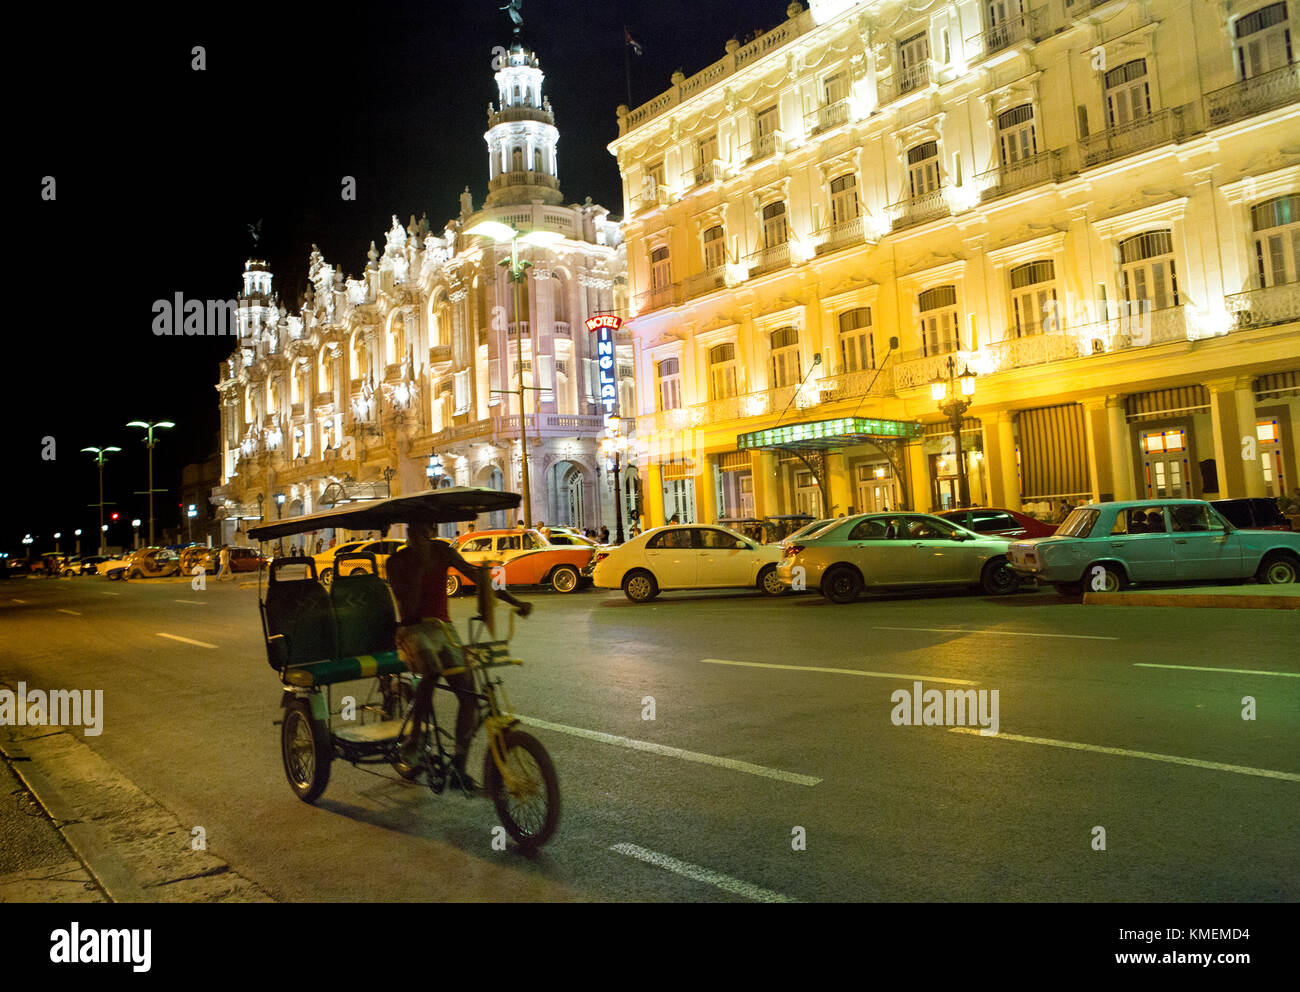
(421, 593)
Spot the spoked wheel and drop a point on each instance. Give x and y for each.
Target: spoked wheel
(453, 583)
(565, 579)
(529, 806)
(327, 576)
(998, 578)
(307, 751)
(770, 582)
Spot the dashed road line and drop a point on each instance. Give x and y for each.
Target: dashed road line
(1148, 755)
(102, 593)
(192, 602)
(706, 875)
(1235, 671)
(187, 640)
(72, 613)
(20, 601)
(1001, 633)
(838, 671)
(674, 752)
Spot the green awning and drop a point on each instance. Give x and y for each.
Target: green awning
(825, 434)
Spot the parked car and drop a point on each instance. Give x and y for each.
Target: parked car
(1110, 545)
(491, 546)
(996, 522)
(530, 561)
(152, 563)
(692, 556)
(52, 563)
(199, 555)
(381, 549)
(1252, 513)
(247, 560)
(20, 566)
(114, 566)
(896, 550)
(71, 565)
(564, 539)
(807, 530)
(90, 564)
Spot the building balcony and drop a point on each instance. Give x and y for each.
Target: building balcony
(764, 146)
(919, 209)
(769, 259)
(549, 425)
(706, 282)
(1027, 350)
(827, 116)
(1013, 31)
(508, 115)
(855, 385)
(1253, 96)
(659, 297)
(917, 370)
(836, 236)
(1262, 307)
(649, 198)
(560, 329)
(526, 178)
(1044, 167)
(1161, 128)
(706, 172)
(905, 82)
(513, 328)
(439, 353)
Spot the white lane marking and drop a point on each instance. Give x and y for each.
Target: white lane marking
(1236, 671)
(111, 594)
(1148, 755)
(20, 600)
(674, 752)
(839, 671)
(192, 602)
(186, 640)
(718, 880)
(1007, 633)
(73, 613)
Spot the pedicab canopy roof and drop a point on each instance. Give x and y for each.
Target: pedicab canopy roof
(825, 434)
(439, 506)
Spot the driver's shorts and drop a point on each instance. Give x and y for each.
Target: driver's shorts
(429, 647)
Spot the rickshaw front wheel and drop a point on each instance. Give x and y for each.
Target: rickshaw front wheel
(307, 751)
(529, 808)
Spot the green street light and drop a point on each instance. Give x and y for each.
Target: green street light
(99, 454)
(518, 271)
(149, 442)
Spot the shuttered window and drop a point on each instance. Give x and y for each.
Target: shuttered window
(1053, 452)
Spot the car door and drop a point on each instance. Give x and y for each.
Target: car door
(672, 558)
(940, 557)
(993, 523)
(1203, 547)
(872, 547)
(1140, 539)
(725, 560)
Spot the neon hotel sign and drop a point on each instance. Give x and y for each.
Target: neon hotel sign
(604, 326)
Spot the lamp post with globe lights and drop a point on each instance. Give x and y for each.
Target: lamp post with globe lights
(99, 454)
(954, 400)
(518, 272)
(614, 446)
(149, 442)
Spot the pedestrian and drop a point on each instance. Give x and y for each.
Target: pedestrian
(673, 518)
(470, 528)
(541, 525)
(604, 534)
(320, 545)
(519, 525)
(225, 572)
(333, 541)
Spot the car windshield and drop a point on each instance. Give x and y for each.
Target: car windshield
(1078, 524)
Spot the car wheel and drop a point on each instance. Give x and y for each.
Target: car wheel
(998, 579)
(640, 586)
(565, 579)
(358, 571)
(136, 574)
(453, 584)
(841, 584)
(327, 576)
(769, 582)
(1277, 568)
(1104, 577)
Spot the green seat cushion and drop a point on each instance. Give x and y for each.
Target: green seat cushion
(363, 666)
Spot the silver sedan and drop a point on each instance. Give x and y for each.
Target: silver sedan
(896, 550)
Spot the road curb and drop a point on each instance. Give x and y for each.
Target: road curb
(1196, 599)
(134, 848)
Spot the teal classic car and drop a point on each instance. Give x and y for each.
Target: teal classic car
(1103, 547)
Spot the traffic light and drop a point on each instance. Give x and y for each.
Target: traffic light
(114, 516)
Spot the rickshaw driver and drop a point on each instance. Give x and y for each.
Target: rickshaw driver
(426, 640)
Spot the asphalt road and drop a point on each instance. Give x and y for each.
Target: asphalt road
(791, 737)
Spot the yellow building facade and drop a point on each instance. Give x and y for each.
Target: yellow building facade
(1094, 207)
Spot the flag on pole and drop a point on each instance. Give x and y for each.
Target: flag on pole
(631, 41)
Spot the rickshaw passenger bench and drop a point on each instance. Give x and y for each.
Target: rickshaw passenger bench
(316, 638)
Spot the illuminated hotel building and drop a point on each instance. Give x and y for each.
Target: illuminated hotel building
(1093, 206)
(400, 379)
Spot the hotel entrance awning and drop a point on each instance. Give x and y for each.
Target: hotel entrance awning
(823, 435)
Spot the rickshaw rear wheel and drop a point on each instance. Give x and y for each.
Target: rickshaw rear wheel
(531, 813)
(307, 751)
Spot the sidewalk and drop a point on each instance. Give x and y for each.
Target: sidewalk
(1249, 596)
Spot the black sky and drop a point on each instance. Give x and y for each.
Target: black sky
(160, 169)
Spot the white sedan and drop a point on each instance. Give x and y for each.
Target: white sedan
(694, 556)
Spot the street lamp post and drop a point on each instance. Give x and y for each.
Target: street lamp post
(149, 442)
(135, 533)
(279, 505)
(78, 534)
(190, 513)
(953, 402)
(99, 454)
(518, 272)
(434, 470)
(614, 446)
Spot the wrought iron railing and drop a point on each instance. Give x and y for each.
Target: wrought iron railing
(827, 116)
(769, 259)
(919, 209)
(1044, 167)
(1160, 128)
(1261, 307)
(1253, 96)
(835, 236)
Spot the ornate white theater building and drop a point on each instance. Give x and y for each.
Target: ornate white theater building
(401, 380)
(1094, 207)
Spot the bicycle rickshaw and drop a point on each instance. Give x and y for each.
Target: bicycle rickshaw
(317, 638)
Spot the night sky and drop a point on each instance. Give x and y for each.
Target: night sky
(160, 169)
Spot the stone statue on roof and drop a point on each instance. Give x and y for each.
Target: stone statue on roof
(515, 9)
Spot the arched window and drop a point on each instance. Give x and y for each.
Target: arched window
(1263, 41)
(715, 249)
(775, 231)
(537, 160)
(923, 169)
(787, 367)
(517, 159)
(939, 325)
(1276, 224)
(1128, 93)
(857, 347)
(844, 199)
(1033, 296)
(559, 298)
(1147, 271)
(358, 367)
(722, 371)
(396, 339)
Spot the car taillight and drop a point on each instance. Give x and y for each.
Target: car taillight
(600, 556)
(793, 549)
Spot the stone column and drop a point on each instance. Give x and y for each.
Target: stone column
(1101, 466)
(918, 478)
(763, 472)
(1121, 449)
(706, 502)
(1000, 459)
(839, 484)
(1232, 415)
(653, 497)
